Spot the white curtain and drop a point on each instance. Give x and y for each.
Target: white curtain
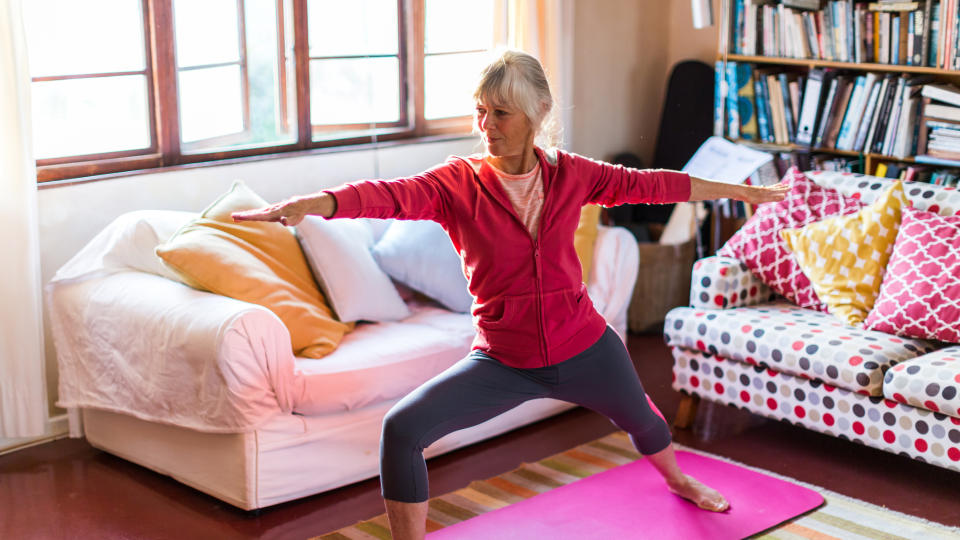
(22, 394)
(544, 28)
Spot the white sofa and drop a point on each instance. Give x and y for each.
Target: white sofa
(205, 388)
(737, 344)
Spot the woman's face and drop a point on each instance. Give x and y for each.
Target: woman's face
(505, 129)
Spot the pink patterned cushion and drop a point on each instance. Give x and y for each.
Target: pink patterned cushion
(920, 293)
(759, 245)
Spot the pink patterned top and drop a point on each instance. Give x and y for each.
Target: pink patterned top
(525, 192)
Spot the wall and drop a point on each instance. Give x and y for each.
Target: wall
(622, 55)
(688, 43)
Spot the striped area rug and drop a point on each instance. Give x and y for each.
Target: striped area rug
(841, 517)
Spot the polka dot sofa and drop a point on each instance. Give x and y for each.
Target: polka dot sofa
(743, 345)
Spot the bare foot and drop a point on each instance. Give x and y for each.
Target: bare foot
(704, 497)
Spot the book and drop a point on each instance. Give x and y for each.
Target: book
(894, 119)
(946, 93)
(824, 112)
(903, 142)
(937, 110)
(763, 121)
(733, 114)
(904, 39)
(772, 92)
(927, 125)
(813, 90)
(787, 108)
(876, 145)
(934, 38)
(746, 102)
(877, 122)
(804, 4)
(916, 40)
(893, 6)
(926, 33)
(893, 171)
(838, 111)
(719, 99)
(894, 38)
(851, 114)
(794, 88)
(868, 117)
(883, 38)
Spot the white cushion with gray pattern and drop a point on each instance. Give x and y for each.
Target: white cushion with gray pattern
(794, 340)
(930, 382)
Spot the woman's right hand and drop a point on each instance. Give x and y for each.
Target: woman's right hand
(289, 212)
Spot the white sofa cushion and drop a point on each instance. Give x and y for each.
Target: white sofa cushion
(794, 340)
(338, 252)
(383, 361)
(419, 254)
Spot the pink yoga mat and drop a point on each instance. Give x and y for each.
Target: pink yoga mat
(631, 501)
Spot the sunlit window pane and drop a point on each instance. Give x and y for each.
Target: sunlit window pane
(215, 101)
(211, 102)
(88, 116)
(207, 32)
(449, 82)
(351, 28)
(354, 91)
(458, 25)
(67, 37)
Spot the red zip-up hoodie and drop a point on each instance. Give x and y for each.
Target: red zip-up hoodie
(530, 306)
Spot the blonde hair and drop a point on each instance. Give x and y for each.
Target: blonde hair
(517, 78)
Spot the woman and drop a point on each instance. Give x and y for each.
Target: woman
(511, 214)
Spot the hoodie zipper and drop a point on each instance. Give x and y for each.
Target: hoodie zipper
(538, 278)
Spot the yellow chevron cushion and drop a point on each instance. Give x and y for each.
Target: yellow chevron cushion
(845, 256)
(585, 237)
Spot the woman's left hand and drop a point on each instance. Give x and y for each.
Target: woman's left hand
(765, 194)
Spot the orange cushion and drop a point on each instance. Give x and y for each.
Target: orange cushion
(585, 237)
(257, 262)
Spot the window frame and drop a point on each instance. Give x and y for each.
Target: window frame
(166, 149)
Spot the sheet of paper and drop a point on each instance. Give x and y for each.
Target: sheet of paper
(723, 161)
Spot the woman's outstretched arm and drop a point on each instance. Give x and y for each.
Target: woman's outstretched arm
(705, 190)
(291, 211)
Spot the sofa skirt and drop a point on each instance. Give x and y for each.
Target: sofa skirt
(289, 457)
(872, 421)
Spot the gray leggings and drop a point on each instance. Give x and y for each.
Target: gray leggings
(477, 388)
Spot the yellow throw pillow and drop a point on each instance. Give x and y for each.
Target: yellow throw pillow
(257, 262)
(585, 237)
(845, 256)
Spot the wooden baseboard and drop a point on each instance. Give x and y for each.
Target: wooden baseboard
(57, 428)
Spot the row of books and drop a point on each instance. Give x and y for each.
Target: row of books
(756, 104)
(938, 176)
(925, 33)
(939, 125)
(885, 114)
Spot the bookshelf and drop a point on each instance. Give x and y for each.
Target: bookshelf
(840, 41)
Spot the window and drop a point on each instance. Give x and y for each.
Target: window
(122, 85)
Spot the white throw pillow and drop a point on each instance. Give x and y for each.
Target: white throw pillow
(338, 251)
(420, 255)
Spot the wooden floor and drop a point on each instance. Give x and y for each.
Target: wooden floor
(67, 489)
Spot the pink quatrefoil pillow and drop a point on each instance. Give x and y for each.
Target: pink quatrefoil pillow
(759, 245)
(920, 293)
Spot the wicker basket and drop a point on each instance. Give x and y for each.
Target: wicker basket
(663, 283)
